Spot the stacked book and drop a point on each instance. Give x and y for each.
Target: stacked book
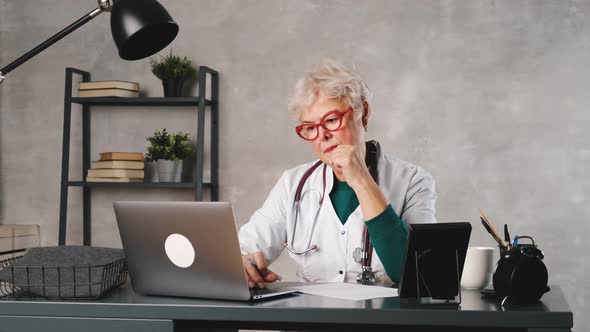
(108, 89)
(117, 167)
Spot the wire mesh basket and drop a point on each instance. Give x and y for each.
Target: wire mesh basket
(60, 282)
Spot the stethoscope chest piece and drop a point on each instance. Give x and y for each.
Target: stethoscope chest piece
(363, 256)
(366, 277)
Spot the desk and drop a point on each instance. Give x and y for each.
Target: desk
(124, 310)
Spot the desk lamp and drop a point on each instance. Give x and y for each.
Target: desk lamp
(140, 28)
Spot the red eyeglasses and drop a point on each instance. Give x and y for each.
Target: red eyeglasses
(331, 121)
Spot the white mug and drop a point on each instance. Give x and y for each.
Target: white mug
(478, 268)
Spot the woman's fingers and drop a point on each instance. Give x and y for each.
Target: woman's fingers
(257, 270)
(260, 261)
(346, 161)
(344, 158)
(253, 273)
(251, 283)
(271, 277)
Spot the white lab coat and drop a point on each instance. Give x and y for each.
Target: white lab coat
(409, 189)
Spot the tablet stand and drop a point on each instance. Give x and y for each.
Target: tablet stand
(435, 294)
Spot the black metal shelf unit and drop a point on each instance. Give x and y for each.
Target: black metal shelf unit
(197, 185)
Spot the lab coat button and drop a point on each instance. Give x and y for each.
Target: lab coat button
(342, 232)
(341, 272)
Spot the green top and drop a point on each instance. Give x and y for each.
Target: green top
(387, 230)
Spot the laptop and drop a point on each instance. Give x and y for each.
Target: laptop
(187, 249)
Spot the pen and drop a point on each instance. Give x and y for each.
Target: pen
(251, 260)
(506, 234)
(515, 243)
(495, 236)
(490, 228)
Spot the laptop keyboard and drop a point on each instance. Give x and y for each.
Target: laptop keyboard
(260, 291)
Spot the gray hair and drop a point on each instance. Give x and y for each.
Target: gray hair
(333, 80)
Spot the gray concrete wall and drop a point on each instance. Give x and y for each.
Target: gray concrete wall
(489, 96)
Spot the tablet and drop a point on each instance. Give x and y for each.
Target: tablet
(433, 262)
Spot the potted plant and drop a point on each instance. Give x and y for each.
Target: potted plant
(168, 151)
(181, 149)
(151, 169)
(174, 71)
(157, 150)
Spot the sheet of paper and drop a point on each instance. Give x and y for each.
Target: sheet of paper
(348, 291)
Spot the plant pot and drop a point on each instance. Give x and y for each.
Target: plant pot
(178, 172)
(173, 87)
(169, 170)
(151, 172)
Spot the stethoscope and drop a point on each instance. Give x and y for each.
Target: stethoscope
(360, 255)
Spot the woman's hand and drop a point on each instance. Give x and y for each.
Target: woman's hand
(257, 271)
(346, 161)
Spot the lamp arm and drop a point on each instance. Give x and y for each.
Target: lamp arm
(103, 5)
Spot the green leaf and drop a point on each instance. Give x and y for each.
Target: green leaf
(172, 67)
(168, 146)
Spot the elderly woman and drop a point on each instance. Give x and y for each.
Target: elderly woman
(344, 217)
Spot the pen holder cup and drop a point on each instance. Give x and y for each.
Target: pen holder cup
(520, 274)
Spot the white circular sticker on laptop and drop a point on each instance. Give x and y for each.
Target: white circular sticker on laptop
(179, 250)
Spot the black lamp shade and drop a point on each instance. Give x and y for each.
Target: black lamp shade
(141, 28)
